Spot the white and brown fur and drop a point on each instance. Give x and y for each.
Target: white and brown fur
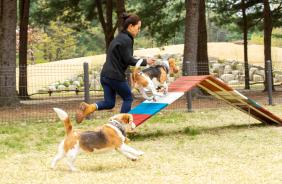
(105, 137)
(153, 77)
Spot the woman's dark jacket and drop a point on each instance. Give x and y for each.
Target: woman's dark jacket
(119, 57)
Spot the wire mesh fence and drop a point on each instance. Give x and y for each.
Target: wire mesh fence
(61, 85)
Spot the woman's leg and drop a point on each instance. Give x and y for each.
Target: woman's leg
(111, 87)
(125, 93)
(108, 102)
(109, 95)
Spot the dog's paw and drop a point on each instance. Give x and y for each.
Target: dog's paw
(53, 165)
(149, 98)
(133, 126)
(131, 132)
(127, 140)
(162, 94)
(133, 158)
(140, 153)
(73, 169)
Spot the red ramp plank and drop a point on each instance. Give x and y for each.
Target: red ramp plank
(185, 83)
(140, 118)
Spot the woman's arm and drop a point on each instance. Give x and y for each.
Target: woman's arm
(126, 51)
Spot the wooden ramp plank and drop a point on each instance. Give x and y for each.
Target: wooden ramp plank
(221, 90)
(185, 83)
(168, 99)
(140, 118)
(148, 108)
(212, 85)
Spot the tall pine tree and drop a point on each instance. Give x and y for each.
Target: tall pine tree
(8, 18)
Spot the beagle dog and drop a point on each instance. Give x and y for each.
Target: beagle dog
(153, 78)
(111, 135)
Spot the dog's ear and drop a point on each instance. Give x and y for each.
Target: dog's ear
(130, 118)
(123, 118)
(172, 65)
(127, 118)
(171, 62)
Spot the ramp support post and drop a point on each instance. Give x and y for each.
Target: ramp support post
(269, 82)
(189, 101)
(86, 82)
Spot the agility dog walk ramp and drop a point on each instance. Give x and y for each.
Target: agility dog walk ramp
(212, 85)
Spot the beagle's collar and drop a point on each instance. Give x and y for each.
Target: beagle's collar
(166, 68)
(166, 65)
(118, 125)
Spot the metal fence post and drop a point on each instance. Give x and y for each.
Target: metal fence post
(189, 101)
(269, 81)
(86, 82)
(189, 93)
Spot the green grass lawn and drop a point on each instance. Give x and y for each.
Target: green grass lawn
(206, 146)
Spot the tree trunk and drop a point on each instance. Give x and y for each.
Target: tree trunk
(245, 33)
(8, 22)
(202, 55)
(267, 24)
(120, 11)
(191, 37)
(24, 16)
(107, 24)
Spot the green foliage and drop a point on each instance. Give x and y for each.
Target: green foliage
(276, 40)
(162, 18)
(58, 41)
(228, 13)
(43, 12)
(232, 36)
(162, 23)
(143, 42)
(90, 42)
(257, 38)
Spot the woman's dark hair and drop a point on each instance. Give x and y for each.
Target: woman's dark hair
(129, 19)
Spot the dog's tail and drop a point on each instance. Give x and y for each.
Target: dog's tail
(65, 118)
(139, 62)
(136, 70)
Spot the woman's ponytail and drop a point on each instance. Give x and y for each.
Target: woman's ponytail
(129, 19)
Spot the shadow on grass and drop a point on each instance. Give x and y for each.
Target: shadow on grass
(109, 167)
(194, 131)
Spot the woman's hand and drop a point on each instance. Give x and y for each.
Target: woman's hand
(150, 61)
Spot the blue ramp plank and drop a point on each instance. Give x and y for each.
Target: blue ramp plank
(148, 108)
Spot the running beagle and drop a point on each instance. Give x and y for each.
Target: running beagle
(154, 77)
(111, 135)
